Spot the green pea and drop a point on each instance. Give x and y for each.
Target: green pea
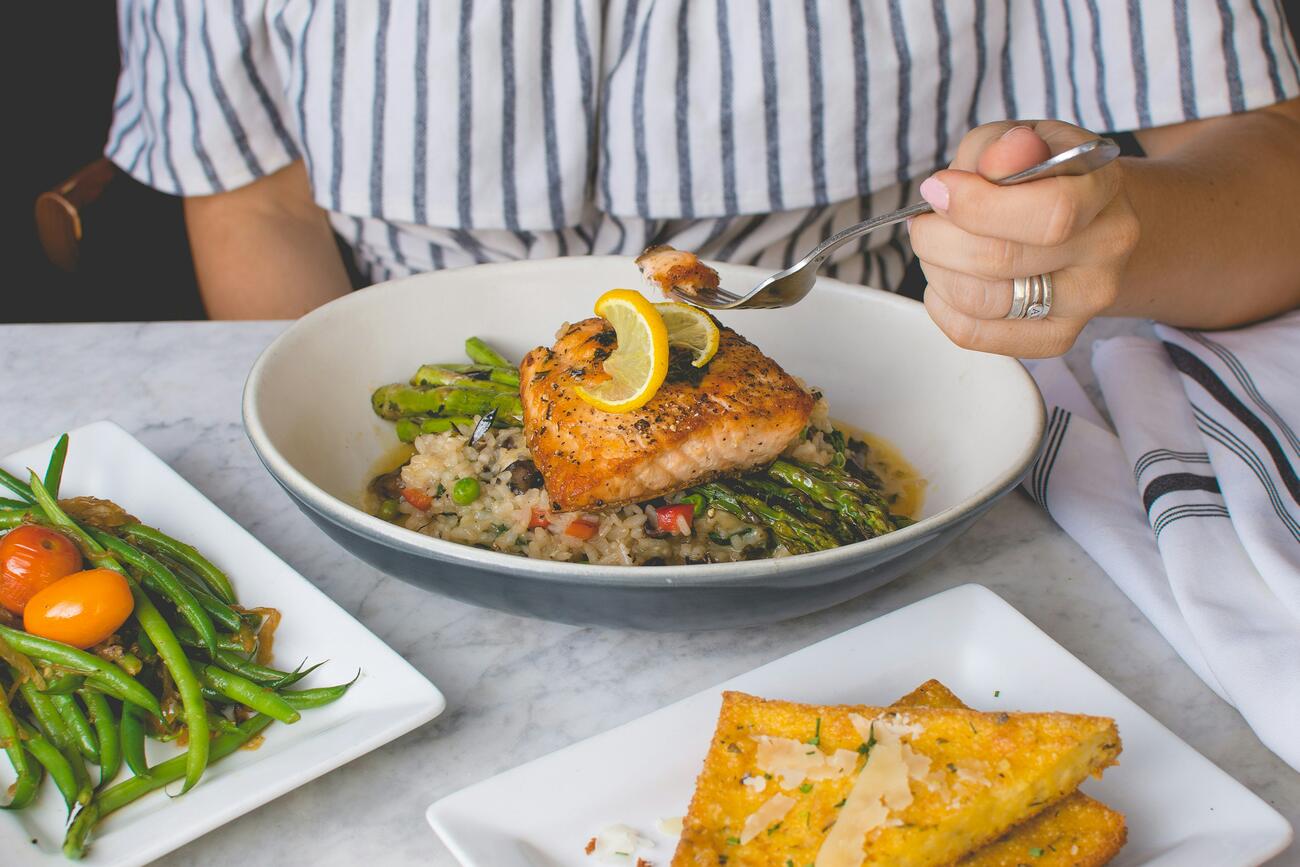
(465, 491)
(388, 510)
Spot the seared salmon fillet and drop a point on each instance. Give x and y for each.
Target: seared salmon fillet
(1074, 832)
(670, 268)
(740, 411)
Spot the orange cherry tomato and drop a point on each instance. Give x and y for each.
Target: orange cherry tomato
(31, 559)
(82, 609)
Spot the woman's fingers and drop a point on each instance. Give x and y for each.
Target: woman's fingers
(1040, 338)
(937, 241)
(1045, 212)
(1076, 293)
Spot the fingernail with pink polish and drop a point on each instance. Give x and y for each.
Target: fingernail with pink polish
(935, 192)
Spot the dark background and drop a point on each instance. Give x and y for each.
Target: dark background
(62, 62)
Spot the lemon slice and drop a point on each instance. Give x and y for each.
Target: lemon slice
(690, 328)
(639, 364)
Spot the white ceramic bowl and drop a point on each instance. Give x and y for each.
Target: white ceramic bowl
(971, 423)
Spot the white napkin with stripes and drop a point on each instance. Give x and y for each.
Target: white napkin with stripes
(1192, 504)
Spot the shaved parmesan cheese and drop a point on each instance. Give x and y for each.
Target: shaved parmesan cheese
(972, 771)
(792, 762)
(772, 811)
(670, 826)
(755, 782)
(882, 787)
(618, 843)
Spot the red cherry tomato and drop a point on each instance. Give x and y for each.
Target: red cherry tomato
(31, 559)
(82, 609)
(667, 518)
(582, 527)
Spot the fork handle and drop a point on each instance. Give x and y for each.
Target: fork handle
(820, 253)
(1078, 160)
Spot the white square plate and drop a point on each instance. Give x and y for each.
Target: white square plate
(1181, 809)
(388, 700)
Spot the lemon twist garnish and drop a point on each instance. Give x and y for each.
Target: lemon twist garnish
(690, 328)
(639, 364)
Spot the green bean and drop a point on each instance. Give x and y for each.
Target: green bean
(129, 662)
(221, 613)
(79, 728)
(110, 745)
(14, 484)
(132, 738)
(55, 515)
(55, 728)
(225, 643)
(480, 353)
(196, 715)
(187, 554)
(306, 699)
(11, 737)
(145, 645)
(64, 684)
(54, 471)
(100, 674)
(248, 693)
(10, 518)
(55, 762)
(7, 503)
(162, 580)
(118, 796)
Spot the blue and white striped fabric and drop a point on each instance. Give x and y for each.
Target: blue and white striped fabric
(446, 132)
(1192, 504)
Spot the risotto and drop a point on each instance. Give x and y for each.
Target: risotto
(512, 513)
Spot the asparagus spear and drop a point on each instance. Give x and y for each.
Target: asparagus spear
(799, 503)
(841, 477)
(797, 534)
(869, 520)
(468, 375)
(399, 400)
(480, 353)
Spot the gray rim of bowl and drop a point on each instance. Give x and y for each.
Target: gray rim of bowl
(355, 520)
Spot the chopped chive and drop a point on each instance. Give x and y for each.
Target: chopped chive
(733, 841)
(973, 730)
(772, 830)
(1036, 852)
(952, 769)
(841, 803)
(817, 734)
(865, 749)
(997, 693)
(806, 788)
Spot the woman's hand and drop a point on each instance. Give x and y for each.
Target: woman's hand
(1081, 230)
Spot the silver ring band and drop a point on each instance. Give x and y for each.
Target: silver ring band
(1031, 297)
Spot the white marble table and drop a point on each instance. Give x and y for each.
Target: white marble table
(517, 689)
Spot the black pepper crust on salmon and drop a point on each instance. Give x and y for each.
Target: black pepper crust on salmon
(740, 412)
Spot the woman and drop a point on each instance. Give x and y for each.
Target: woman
(437, 134)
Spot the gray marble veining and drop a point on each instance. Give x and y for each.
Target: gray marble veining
(518, 689)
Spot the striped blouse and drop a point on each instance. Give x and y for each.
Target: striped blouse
(439, 133)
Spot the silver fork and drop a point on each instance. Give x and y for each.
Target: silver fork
(791, 285)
